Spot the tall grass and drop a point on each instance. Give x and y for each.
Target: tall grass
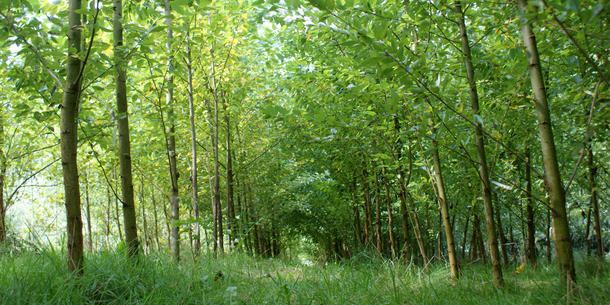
(41, 277)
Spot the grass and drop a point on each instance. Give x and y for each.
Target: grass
(41, 277)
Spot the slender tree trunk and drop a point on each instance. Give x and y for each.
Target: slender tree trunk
(378, 216)
(531, 226)
(88, 210)
(389, 209)
(129, 210)
(588, 233)
(548, 236)
(174, 199)
(368, 226)
(230, 204)
(156, 220)
(358, 237)
(3, 159)
(561, 229)
(465, 236)
(194, 185)
(406, 249)
(501, 235)
(418, 235)
(117, 218)
(444, 209)
(483, 172)
(108, 202)
(69, 142)
(594, 203)
(217, 203)
(144, 220)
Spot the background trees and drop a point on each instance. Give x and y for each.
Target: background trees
(322, 123)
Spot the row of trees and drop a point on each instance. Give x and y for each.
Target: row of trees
(352, 124)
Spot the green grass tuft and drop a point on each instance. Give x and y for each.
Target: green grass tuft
(41, 277)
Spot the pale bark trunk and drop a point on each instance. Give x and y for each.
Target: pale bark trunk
(129, 209)
(563, 245)
(230, 205)
(483, 171)
(3, 164)
(174, 199)
(194, 182)
(87, 205)
(155, 219)
(418, 235)
(444, 209)
(69, 143)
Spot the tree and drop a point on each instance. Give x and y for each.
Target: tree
(482, 159)
(69, 142)
(562, 239)
(129, 210)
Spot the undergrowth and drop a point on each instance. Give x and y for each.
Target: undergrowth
(41, 277)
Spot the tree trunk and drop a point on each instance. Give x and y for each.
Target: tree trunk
(129, 210)
(378, 216)
(406, 249)
(174, 199)
(108, 202)
(87, 205)
(368, 226)
(444, 209)
(358, 237)
(230, 204)
(389, 209)
(501, 235)
(69, 142)
(417, 231)
(594, 203)
(117, 218)
(465, 236)
(483, 172)
(561, 229)
(3, 164)
(531, 226)
(194, 185)
(156, 220)
(588, 233)
(217, 203)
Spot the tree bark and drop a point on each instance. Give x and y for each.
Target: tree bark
(358, 236)
(129, 210)
(595, 203)
(389, 209)
(406, 249)
(368, 226)
(378, 216)
(483, 171)
(444, 209)
(155, 219)
(230, 205)
(194, 182)
(561, 229)
(174, 199)
(3, 164)
(531, 227)
(88, 210)
(69, 142)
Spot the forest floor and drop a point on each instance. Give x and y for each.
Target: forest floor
(41, 277)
